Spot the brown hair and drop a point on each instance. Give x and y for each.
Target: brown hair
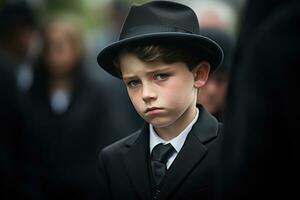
(166, 53)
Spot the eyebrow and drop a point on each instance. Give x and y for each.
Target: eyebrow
(149, 72)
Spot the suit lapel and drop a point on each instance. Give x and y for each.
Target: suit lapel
(136, 159)
(192, 152)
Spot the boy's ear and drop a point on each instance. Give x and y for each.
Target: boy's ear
(201, 73)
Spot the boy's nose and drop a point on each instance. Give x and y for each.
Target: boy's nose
(148, 93)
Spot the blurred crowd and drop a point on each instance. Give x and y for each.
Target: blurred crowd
(55, 118)
(58, 109)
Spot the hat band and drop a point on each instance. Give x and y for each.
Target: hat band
(149, 29)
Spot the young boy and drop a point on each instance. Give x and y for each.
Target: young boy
(164, 62)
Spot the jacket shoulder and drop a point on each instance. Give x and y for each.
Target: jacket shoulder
(119, 145)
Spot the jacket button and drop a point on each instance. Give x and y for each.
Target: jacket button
(156, 194)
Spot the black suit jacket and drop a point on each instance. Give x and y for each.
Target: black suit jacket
(260, 156)
(124, 173)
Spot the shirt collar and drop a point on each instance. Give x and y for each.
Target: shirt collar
(176, 142)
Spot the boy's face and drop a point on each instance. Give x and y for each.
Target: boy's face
(162, 94)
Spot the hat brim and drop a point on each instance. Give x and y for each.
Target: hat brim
(207, 48)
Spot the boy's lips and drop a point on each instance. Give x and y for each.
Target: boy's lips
(152, 109)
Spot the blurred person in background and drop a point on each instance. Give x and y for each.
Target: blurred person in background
(67, 118)
(259, 157)
(217, 13)
(18, 40)
(217, 20)
(17, 34)
(212, 95)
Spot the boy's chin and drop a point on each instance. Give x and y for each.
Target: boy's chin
(159, 123)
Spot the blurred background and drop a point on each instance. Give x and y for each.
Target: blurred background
(58, 108)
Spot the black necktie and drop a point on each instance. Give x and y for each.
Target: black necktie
(159, 157)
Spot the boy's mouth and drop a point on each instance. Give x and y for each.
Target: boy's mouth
(152, 110)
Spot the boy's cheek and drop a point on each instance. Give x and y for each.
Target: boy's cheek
(174, 98)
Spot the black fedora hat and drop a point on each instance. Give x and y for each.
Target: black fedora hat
(161, 22)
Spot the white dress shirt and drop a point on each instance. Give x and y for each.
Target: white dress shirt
(176, 142)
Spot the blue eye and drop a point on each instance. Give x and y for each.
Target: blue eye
(133, 83)
(161, 77)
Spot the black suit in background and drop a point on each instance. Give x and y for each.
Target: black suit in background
(259, 158)
(11, 132)
(125, 173)
(62, 148)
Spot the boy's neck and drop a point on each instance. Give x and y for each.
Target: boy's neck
(172, 131)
